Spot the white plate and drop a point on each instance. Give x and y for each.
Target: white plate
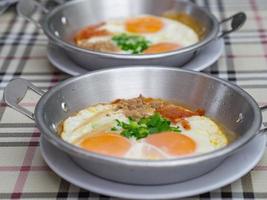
(202, 60)
(232, 169)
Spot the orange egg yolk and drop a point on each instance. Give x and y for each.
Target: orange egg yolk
(107, 143)
(147, 24)
(172, 143)
(161, 47)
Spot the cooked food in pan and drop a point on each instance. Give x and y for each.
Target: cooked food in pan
(145, 34)
(143, 128)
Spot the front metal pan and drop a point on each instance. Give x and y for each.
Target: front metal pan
(223, 101)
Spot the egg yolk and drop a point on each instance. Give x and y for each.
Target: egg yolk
(162, 47)
(107, 143)
(144, 25)
(172, 143)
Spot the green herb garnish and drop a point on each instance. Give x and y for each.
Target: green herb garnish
(132, 43)
(114, 129)
(145, 126)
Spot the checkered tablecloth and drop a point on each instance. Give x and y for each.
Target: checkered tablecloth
(24, 174)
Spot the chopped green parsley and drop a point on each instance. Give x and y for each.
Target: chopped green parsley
(145, 126)
(133, 43)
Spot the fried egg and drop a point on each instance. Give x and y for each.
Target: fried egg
(203, 136)
(93, 119)
(162, 33)
(91, 129)
(206, 132)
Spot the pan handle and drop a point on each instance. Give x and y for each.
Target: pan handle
(263, 130)
(259, 133)
(237, 21)
(15, 91)
(27, 8)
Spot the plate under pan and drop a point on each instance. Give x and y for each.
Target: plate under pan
(232, 169)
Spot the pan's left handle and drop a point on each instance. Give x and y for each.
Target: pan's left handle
(27, 9)
(15, 91)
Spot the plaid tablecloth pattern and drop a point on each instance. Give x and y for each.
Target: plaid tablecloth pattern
(24, 174)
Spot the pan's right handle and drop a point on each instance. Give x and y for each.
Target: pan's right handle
(27, 8)
(15, 91)
(236, 22)
(263, 130)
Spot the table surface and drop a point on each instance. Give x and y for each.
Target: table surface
(23, 49)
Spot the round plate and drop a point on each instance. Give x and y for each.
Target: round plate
(232, 169)
(202, 60)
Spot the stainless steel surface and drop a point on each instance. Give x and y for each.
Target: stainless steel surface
(5, 4)
(63, 22)
(236, 20)
(27, 9)
(15, 91)
(263, 130)
(223, 101)
(4, 7)
(263, 107)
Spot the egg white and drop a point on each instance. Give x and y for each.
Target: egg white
(89, 120)
(173, 32)
(206, 133)
(142, 150)
(115, 26)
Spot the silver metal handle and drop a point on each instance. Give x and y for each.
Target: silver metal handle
(237, 21)
(259, 133)
(27, 8)
(15, 91)
(263, 107)
(264, 130)
(4, 5)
